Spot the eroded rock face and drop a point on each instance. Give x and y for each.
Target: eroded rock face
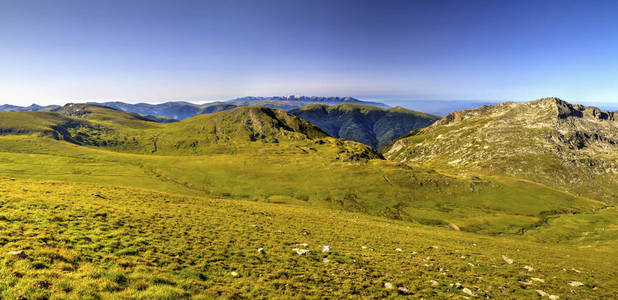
(573, 147)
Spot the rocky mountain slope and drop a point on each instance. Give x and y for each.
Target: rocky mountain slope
(571, 147)
(369, 125)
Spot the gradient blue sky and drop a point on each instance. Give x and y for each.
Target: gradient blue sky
(150, 51)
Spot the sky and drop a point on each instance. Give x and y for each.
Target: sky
(56, 51)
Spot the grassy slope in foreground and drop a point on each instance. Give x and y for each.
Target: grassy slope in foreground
(366, 124)
(90, 241)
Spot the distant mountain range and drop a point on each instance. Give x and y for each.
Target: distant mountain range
(33, 107)
(181, 110)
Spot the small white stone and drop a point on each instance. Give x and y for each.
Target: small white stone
(301, 251)
(234, 274)
(325, 248)
(508, 260)
(261, 251)
(467, 291)
(398, 249)
(575, 283)
(388, 285)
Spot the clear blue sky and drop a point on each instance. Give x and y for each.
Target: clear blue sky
(58, 51)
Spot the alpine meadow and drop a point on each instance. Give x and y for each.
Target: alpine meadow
(421, 156)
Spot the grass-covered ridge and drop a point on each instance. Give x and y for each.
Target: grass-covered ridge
(370, 125)
(570, 147)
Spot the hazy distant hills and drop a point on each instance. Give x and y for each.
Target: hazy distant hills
(293, 102)
(366, 124)
(178, 110)
(181, 110)
(33, 107)
(571, 147)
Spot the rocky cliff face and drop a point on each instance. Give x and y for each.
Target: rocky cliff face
(550, 141)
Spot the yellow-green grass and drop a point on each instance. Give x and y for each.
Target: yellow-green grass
(100, 241)
(303, 173)
(599, 230)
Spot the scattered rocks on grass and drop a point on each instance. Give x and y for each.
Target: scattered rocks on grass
(537, 279)
(398, 249)
(529, 268)
(388, 285)
(325, 248)
(261, 251)
(234, 274)
(434, 283)
(542, 293)
(554, 297)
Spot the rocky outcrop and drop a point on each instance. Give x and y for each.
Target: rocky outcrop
(573, 147)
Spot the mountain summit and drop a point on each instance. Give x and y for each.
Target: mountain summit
(569, 146)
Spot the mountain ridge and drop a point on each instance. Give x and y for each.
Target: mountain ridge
(366, 124)
(569, 146)
(180, 110)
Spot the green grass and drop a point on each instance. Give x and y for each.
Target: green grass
(166, 211)
(91, 241)
(303, 173)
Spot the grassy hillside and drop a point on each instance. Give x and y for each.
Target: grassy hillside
(369, 125)
(62, 240)
(570, 147)
(312, 174)
(106, 204)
